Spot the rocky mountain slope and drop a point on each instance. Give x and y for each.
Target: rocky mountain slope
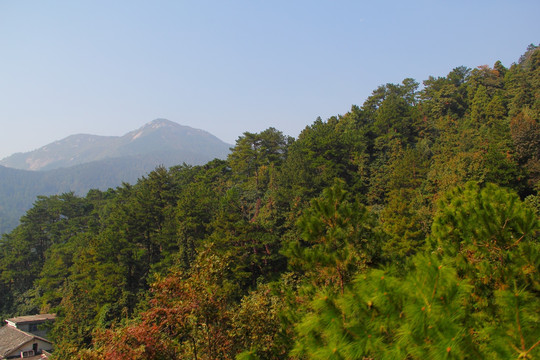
(159, 139)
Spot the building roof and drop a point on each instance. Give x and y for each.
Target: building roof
(31, 318)
(12, 338)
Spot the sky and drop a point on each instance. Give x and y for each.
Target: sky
(227, 67)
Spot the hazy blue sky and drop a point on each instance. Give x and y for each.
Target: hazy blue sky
(108, 67)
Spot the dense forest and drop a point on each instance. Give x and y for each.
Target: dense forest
(82, 162)
(406, 228)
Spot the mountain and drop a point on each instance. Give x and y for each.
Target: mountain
(20, 188)
(161, 141)
(79, 163)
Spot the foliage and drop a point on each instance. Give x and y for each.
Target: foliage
(394, 231)
(439, 310)
(337, 239)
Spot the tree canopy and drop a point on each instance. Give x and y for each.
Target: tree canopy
(406, 228)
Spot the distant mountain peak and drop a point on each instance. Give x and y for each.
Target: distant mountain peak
(160, 122)
(163, 121)
(158, 136)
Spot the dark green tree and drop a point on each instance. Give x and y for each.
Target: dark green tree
(337, 239)
(473, 296)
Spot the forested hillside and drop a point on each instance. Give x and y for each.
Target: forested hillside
(406, 228)
(82, 162)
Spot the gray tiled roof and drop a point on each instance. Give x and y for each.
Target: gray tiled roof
(32, 318)
(12, 338)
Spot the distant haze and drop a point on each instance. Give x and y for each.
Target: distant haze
(161, 139)
(106, 67)
(82, 162)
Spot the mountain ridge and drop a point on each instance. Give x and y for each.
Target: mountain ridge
(81, 162)
(159, 135)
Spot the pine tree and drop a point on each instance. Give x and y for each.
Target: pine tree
(385, 315)
(474, 296)
(337, 239)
